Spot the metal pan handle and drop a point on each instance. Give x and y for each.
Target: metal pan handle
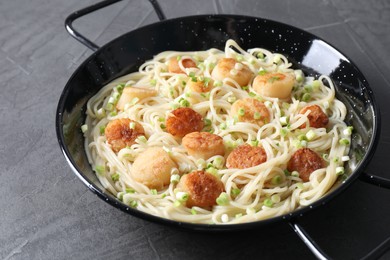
(375, 253)
(375, 180)
(74, 16)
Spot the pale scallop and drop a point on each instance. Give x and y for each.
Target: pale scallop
(153, 168)
(275, 85)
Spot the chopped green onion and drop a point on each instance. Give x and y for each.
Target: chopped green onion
(348, 131)
(182, 196)
(113, 113)
(115, 177)
(303, 143)
(100, 169)
(224, 218)
(302, 137)
(262, 72)
(308, 88)
(284, 120)
(235, 192)
(277, 179)
(239, 215)
(345, 158)
(177, 203)
(212, 170)
(102, 128)
(153, 191)
(295, 174)
(286, 172)
(268, 104)
(283, 132)
(133, 204)
(153, 82)
(223, 199)
(178, 58)
(306, 97)
(192, 74)
(201, 164)
(217, 83)
(162, 126)
(257, 115)
(340, 170)
(100, 113)
(299, 75)
(300, 185)
(275, 198)
(207, 122)
(268, 203)
(130, 190)
(254, 143)
(193, 211)
(336, 159)
(241, 112)
(252, 94)
(84, 128)
(132, 125)
(239, 57)
(175, 178)
(141, 139)
(277, 59)
(218, 162)
(231, 99)
(223, 126)
(316, 84)
(260, 55)
(245, 88)
(296, 143)
(325, 156)
(311, 135)
(163, 195)
(344, 141)
(119, 195)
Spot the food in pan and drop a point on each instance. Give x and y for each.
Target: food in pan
(217, 136)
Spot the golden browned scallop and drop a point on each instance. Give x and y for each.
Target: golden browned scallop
(120, 134)
(199, 85)
(203, 144)
(184, 120)
(153, 168)
(275, 85)
(231, 68)
(250, 110)
(173, 65)
(245, 156)
(317, 118)
(305, 161)
(129, 93)
(202, 187)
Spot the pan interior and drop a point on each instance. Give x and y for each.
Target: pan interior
(124, 55)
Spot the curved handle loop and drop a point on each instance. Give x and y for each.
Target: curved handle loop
(375, 253)
(74, 16)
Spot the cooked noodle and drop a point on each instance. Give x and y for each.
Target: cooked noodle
(278, 140)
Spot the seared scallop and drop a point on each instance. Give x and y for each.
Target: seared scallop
(245, 156)
(173, 65)
(231, 68)
(317, 118)
(183, 121)
(122, 132)
(129, 93)
(203, 144)
(305, 161)
(202, 187)
(275, 85)
(250, 110)
(153, 168)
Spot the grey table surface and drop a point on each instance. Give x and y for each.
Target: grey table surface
(46, 211)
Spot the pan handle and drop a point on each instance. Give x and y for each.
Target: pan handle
(375, 180)
(74, 16)
(375, 253)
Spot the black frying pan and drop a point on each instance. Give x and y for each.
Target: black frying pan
(306, 51)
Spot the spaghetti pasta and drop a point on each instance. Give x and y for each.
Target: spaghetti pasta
(266, 189)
